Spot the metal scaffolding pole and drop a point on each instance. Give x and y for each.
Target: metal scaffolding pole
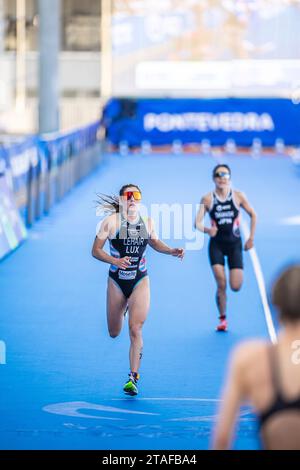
(2, 24)
(106, 49)
(49, 44)
(21, 55)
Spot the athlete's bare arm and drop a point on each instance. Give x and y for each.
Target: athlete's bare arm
(232, 399)
(203, 209)
(237, 391)
(108, 228)
(243, 202)
(159, 245)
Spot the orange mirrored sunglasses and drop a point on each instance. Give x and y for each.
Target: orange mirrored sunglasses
(136, 195)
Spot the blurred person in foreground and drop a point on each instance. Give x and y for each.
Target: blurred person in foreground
(267, 376)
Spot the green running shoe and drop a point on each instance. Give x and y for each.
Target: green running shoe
(130, 388)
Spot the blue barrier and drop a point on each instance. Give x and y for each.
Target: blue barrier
(12, 229)
(38, 172)
(67, 160)
(163, 121)
(18, 159)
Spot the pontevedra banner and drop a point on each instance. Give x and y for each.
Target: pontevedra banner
(163, 121)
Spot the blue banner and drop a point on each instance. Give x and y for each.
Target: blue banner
(163, 121)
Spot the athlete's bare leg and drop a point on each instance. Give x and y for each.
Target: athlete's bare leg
(116, 304)
(236, 279)
(138, 304)
(220, 276)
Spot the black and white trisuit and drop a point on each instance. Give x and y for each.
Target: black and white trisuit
(131, 240)
(225, 215)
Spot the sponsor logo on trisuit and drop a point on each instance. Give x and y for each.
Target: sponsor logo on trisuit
(127, 275)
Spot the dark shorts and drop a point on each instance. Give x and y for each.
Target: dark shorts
(233, 250)
(127, 285)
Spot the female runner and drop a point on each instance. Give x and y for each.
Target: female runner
(128, 283)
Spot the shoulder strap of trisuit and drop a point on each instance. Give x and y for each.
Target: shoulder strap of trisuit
(213, 200)
(145, 219)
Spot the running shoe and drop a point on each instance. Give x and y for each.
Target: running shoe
(222, 326)
(130, 388)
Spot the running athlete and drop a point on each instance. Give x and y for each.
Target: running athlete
(128, 283)
(223, 206)
(267, 376)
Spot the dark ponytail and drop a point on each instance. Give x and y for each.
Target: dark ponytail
(111, 204)
(107, 204)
